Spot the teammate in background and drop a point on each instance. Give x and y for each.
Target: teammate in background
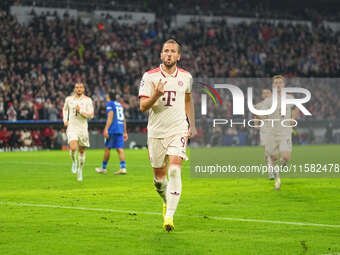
(264, 130)
(278, 141)
(166, 93)
(77, 110)
(115, 133)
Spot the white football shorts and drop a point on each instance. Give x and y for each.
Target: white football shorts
(82, 136)
(276, 144)
(160, 148)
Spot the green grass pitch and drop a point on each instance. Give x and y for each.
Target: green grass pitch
(44, 210)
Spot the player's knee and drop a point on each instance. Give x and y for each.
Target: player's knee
(274, 158)
(160, 176)
(174, 171)
(285, 157)
(159, 173)
(175, 160)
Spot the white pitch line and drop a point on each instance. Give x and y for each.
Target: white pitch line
(181, 215)
(42, 163)
(76, 208)
(64, 164)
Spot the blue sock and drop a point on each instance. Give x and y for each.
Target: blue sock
(122, 164)
(104, 164)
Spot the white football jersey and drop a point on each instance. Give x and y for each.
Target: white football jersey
(278, 128)
(75, 120)
(167, 116)
(265, 129)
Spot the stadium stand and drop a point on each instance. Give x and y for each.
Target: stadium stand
(40, 62)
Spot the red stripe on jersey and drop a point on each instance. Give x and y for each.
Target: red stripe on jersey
(176, 73)
(182, 70)
(143, 96)
(163, 74)
(155, 70)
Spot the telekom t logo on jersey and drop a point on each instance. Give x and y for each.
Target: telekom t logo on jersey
(238, 100)
(169, 96)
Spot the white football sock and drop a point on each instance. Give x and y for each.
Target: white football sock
(269, 161)
(282, 162)
(174, 190)
(279, 165)
(160, 185)
(81, 158)
(277, 171)
(269, 165)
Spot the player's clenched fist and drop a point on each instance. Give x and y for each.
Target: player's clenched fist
(159, 88)
(106, 133)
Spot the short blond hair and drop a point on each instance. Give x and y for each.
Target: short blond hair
(279, 76)
(173, 41)
(80, 83)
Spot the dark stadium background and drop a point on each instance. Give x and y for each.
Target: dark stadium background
(41, 58)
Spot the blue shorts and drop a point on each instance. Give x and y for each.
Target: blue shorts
(114, 141)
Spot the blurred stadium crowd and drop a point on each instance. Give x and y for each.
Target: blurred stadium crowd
(32, 138)
(316, 11)
(40, 63)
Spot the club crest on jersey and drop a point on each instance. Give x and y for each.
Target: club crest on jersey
(180, 83)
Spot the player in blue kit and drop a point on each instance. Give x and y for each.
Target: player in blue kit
(115, 133)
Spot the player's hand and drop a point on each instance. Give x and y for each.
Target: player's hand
(125, 135)
(159, 88)
(77, 108)
(106, 133)
(66, 123)
(192, 132)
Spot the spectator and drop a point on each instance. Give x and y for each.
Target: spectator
(15, 140)
(5, 136)
(2, 108)
(11, 113)
(52, 112)
(26, 138)
(47, 138)
(36, 138)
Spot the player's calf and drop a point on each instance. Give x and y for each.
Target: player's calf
(174, 190)
(270, 167)
(73, 154)
(160, 186)
(81, 159)
(74, 161)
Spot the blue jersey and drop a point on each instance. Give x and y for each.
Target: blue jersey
(117, 125)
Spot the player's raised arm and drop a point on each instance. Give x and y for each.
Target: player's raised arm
(65, 113)
(147, 102)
